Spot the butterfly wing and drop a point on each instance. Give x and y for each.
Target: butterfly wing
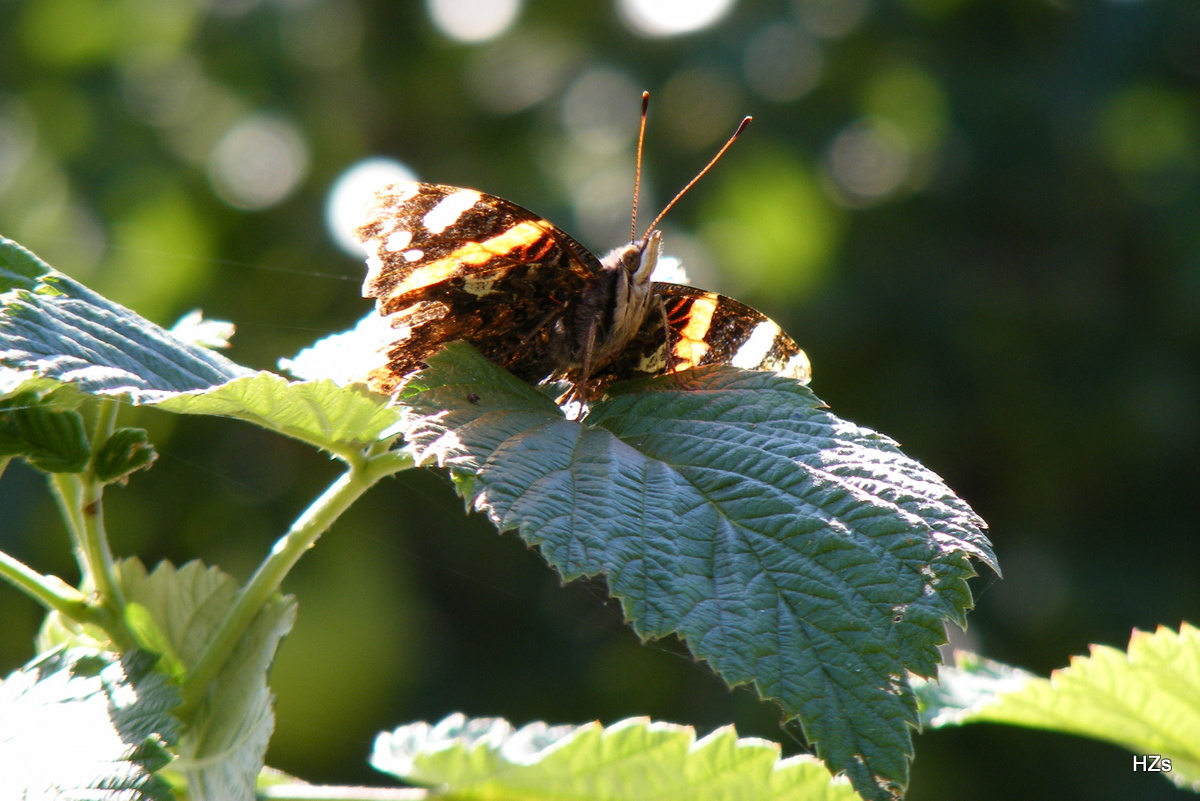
(694, 328)
(446, 263)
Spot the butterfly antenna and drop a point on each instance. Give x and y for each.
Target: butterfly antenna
(637, 174)
(741, 127)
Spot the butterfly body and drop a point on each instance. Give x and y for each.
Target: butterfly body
(447, 263)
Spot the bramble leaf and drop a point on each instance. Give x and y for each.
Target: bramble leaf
(78, 723)
(634, 759)
(222, 750)
(788, 548)
(318, 412)
(54, 327)
(1143, 699)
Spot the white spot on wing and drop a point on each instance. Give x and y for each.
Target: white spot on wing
(415, 254)
(405, 190)
(754, 350)
(449, 209)
(397, 240)
(798, 367)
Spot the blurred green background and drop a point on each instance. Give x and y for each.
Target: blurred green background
(981, 218)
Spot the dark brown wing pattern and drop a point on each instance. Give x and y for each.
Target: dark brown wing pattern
(702, 328)
(446, 263)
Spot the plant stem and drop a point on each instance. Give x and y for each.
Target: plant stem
(362, 474)
(50, 591)
(79, 497)
(66, 495)
(106, 423)
(95, 538)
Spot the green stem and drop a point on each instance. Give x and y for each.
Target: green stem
(58, 596)
(67, 495)
(78, 496)
(95, 538)
(106, 423)
(100, 554)
(50, 591)
(315, 521)
(96, 559)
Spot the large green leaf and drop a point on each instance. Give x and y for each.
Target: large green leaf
(19, 268)
(58, 327)
(319, 412)
(635, 759)
(80, 723)
(1146, 699)
(788, 548)
(54, 327)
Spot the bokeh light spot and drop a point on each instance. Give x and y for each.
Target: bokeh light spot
(69, 32)
(700, 107)
(521, 70)
(782, 63)
(322, 35)
(771, 226)
(18, 137)
(258, 162)
(672, 17)
(831, 18)
(912, 99)
(163, 91)
(868, 160)
(161, 255)
(1149, 134)
(351, 192)
(599, 110)
(473, 20)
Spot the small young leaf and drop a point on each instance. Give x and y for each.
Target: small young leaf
(1143, 699)
(126, 451)
(49, 439)
(788, 548)
(78, 724)
(486, 758)
(193, 329)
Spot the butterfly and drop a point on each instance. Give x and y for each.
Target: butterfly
(447, 263)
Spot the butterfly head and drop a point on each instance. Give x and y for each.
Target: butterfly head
(637, 259)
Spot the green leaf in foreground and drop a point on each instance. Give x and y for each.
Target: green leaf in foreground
(54, 325)
(222, 750)
(19, 268)
(634, 759)
(788, 548)
(49, 439)
(1145, 699)
(318, 412)
(80, 724)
